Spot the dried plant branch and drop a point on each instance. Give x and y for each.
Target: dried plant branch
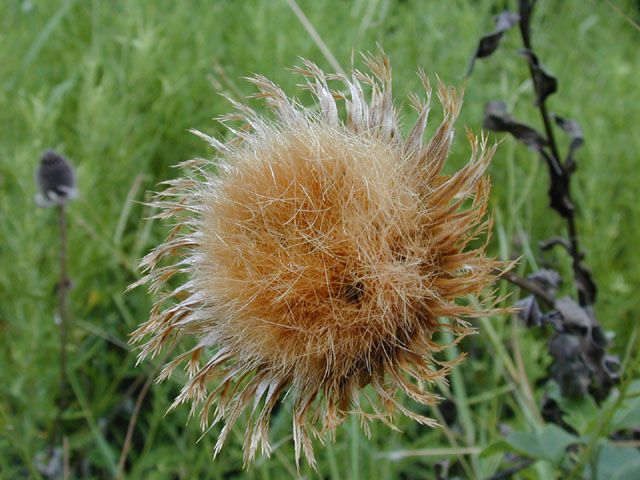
(56, 181)
(132, 423)
(136, 410)
(581, 363)
(529, 286)
(498, 119)
(586, 295)
(525, 32)
(63, 317)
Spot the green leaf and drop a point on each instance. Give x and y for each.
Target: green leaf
(582, 413)
(548, 444)
(618, 463)
(500, 446)
(628, 414)
(627, 472)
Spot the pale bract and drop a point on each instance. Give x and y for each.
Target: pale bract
(321, 256)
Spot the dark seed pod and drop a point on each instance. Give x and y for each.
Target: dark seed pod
(56, 180)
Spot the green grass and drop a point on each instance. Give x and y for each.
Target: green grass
(115, 85)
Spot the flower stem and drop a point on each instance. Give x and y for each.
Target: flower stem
(63, 316)
(525, 7)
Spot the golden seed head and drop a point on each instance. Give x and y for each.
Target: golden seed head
(321, 256)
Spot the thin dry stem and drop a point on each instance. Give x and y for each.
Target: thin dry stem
(63, 318)
(126, 446)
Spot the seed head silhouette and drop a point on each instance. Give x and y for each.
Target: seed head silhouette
(56, 180)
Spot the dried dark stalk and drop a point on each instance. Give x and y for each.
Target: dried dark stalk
(55, 180)
(555, 164)
(578, 334)
(578, 346)
(497, 118)
(596, 371)
(64, 284)
(529, 286)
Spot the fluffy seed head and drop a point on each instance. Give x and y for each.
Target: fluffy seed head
(321, 256)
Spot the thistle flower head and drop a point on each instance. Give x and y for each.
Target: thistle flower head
(55, 179)
(321, 256)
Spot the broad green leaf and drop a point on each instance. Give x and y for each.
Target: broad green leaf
(548, 444)
(500, 446)
(628, 414)
(630, 471)
(619, 463)
(582, 414)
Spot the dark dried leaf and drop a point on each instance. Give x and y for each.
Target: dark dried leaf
(442, 469)
(579, 351)
(576, 318)
(568, 369)
(559, 198)
(505, 21)
(598, 338)
(489, 42)
(530, 313)
(572, 128)
(555, 319)
(544, 82)
(547, 280)
(553, 241)
(498, 119)
(611, 366)
(584, 280)
(566, 346)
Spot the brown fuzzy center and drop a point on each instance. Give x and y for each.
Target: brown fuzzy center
(312, 248)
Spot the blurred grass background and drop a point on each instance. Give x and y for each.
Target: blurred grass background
(115, 85)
